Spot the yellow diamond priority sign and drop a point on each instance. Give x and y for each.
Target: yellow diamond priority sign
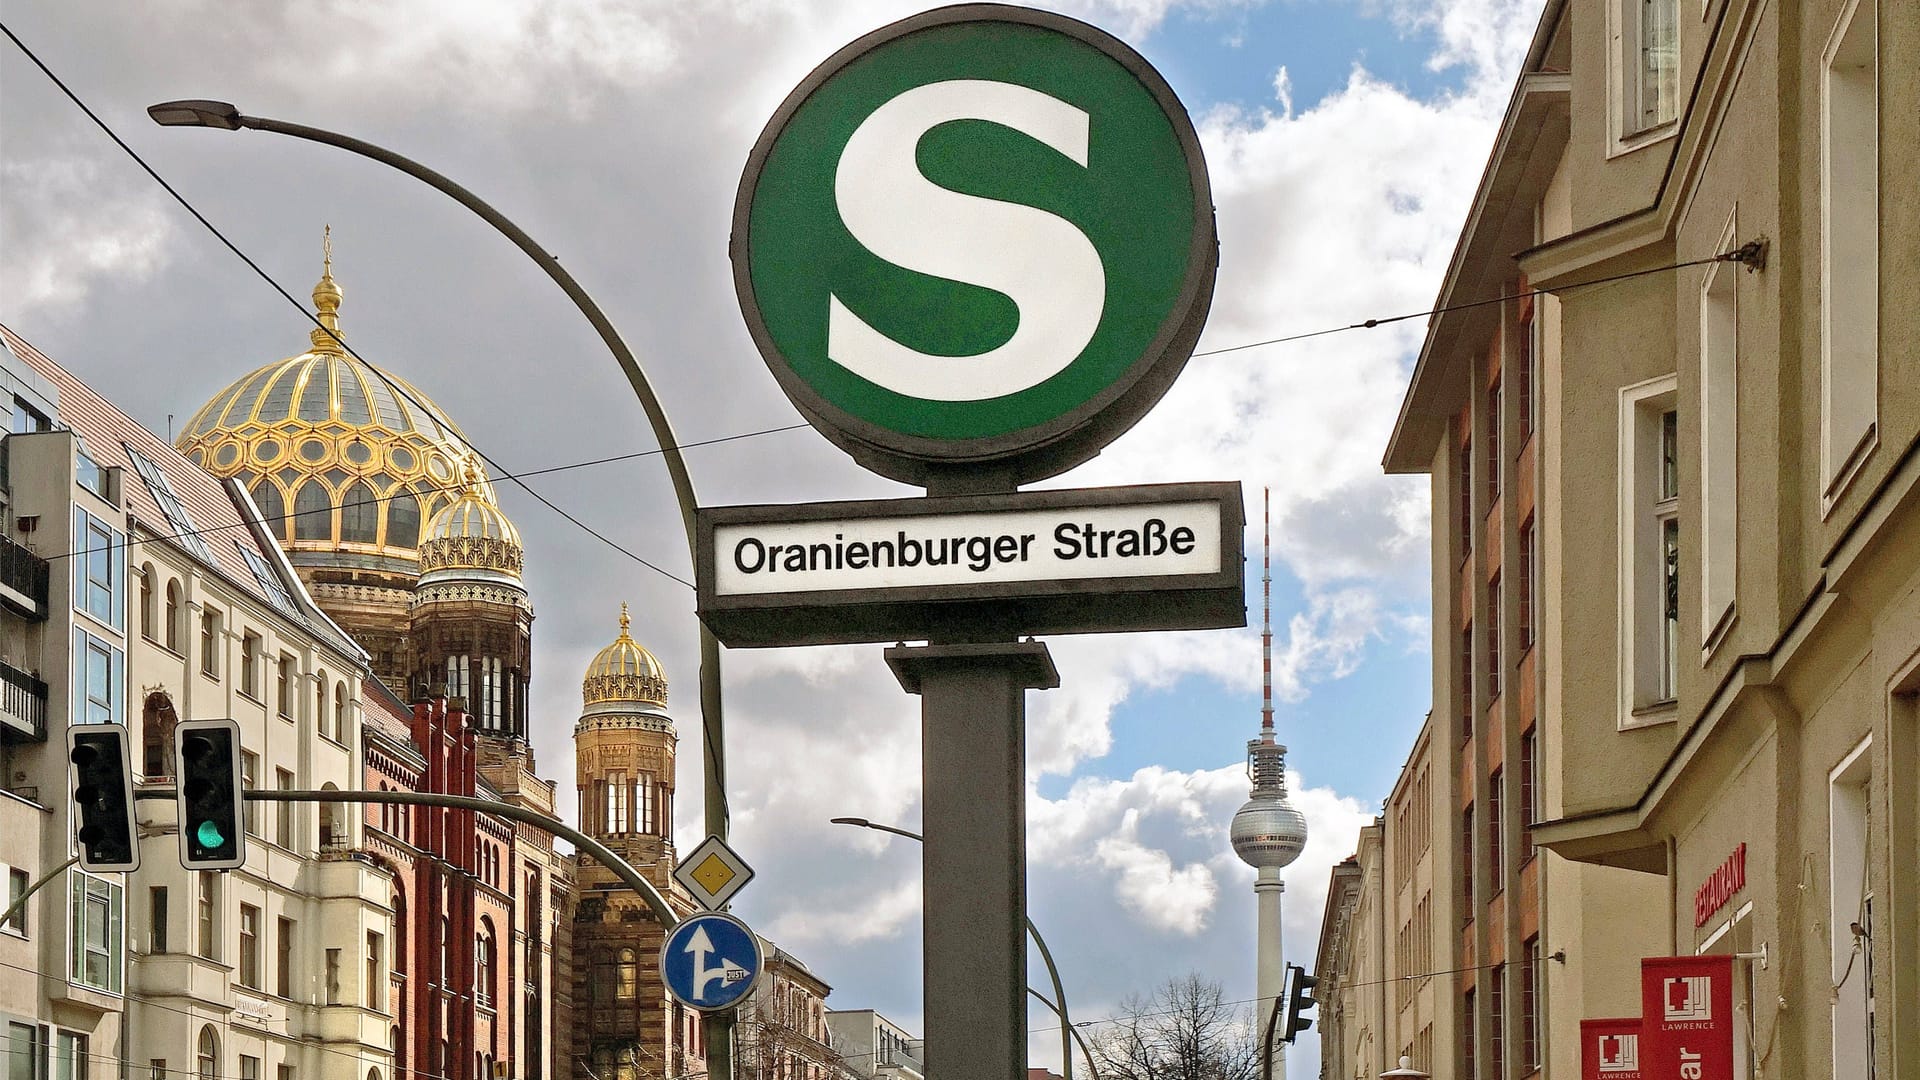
(713, 873)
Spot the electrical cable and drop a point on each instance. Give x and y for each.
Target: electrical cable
(393, 384)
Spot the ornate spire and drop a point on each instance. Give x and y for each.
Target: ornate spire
(326, 301)
(625, 620)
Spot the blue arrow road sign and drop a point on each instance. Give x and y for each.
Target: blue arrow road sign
(710, 961)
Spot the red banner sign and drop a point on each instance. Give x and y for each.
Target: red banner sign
(1610, 1049)
(1686, 1017)
(1727, 878)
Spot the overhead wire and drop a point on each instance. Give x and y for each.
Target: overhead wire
(393, 384)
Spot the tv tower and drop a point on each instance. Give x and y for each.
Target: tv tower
(1268, 833)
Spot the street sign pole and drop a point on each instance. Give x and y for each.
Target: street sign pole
(974, 866)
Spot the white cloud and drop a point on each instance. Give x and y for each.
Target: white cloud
(66, 225)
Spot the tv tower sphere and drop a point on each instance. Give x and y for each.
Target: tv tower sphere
(1268, 831)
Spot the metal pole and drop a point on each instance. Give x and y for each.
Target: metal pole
(620, 867)
(973, 868)
(21, 900)
(718, 1027)
(1266, 1045)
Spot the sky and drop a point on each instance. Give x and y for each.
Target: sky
(1343, 140)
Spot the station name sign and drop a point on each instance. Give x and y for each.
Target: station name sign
(1131, 558)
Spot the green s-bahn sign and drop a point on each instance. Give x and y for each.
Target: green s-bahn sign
(982, 236)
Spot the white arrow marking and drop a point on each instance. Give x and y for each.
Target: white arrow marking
(700, 945)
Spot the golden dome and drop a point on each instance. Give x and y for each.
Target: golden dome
(471, 533)
(339, 460)
(624, 673)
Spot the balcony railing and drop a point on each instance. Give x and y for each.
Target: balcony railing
(23, 704)
(23, 580)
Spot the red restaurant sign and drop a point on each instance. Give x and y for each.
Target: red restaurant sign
(1727, 878)
(1686, 1017)
(1610, 1049)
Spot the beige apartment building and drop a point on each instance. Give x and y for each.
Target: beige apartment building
(1379, 999)
(1676, 534)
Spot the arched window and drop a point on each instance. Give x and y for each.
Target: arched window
(175, 617)
(483, 963)
(312, 513)
(360, 514)
(334, 833)
(273, 507)
(207, 1062)
(148, 629)
(320, 700)
(629, 975)
(403, 520)
(157, 720)
(340, 712)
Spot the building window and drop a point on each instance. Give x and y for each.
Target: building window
(1529, 789)
(148, 620)
(1497, 1020)
(359, 514)
(483, 968)
(1649, 552)
(207, 1061)
(1494, 671)
(283, 687)
(283, 958)
(250, 664)
(210, 643)
(617, 792)
(1470, 1068)
(99, 670)
(1464, 492)
(1849, 248)
(1493, 442)
(643, 792)
(1649, 63)
(1526, 355)
(98, 905)
(1496, 826)
(333, 976)
(283, 812)
(157, 1069)
(1466, 860)
(376, 972)
(1531, 1039)
(69, 1056)
(157, 919)
(1719, 444)
(250, 946)
(628, 988)
(1851, 890)
(339, 712)
(206, 916)
(18, 880)
(1529, 582)
(249, 1068)
(97, 586)
(249, 772)
(24, 1049)
(312, 512)
(175, 616)
(1466, 682)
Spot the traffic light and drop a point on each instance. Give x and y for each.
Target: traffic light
(102, 776)
(209, 794)
(1299, 1000)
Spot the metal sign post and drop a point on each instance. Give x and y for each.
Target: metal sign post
(974, 247)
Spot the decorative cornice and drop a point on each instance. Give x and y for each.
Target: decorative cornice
(472, 553)
(481, 591)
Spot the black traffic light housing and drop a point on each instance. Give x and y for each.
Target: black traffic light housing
(208, 795)
(102, 784)
(1299, 999)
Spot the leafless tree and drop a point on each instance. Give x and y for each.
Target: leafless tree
(1185, 1031)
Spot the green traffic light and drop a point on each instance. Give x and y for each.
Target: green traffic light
(209, 835)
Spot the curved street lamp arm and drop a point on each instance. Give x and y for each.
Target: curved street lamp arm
(1069, 1031)
(717, 812)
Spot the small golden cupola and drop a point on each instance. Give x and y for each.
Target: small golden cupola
(624, 677)
(471, 538)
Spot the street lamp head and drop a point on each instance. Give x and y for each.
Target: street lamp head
(196, 112)
(860, 821)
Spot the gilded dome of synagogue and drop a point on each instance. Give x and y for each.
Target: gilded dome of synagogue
(340, 458)
(624, 673)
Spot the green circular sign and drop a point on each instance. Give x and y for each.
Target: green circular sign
(981, 237)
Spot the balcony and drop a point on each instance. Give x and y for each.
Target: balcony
(23, 581)
(23, 704)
